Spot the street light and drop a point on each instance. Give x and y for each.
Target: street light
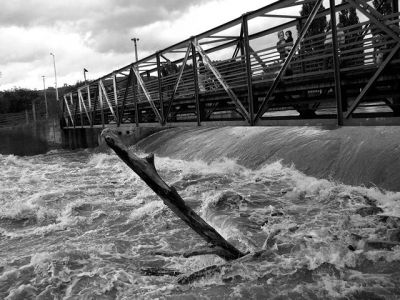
(84, 74)
(134, 41)
(45, 97)
(55, 74)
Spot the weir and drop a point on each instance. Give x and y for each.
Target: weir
(233, 75)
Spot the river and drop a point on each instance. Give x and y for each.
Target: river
(81, 225)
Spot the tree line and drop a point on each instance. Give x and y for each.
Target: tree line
(20, 99)
(347, 17)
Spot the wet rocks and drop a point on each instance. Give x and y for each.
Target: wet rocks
(229, 200)
(369, 201)
(19, 221)
(391, 222)
(277, 214)
(394, 235)
(82, 209)
(369, 211)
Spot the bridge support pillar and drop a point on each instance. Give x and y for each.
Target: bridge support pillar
(196, 83)
(336, 64)
(250, 97)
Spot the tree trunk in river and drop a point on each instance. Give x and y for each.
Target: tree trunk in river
(145, 168)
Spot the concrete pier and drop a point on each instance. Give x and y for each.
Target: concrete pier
(90, 137)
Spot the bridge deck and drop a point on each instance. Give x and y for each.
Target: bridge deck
(227, 76)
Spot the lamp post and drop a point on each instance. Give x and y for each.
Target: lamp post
(55, 74)
(45, 97)
(84, 74)
(135, 40)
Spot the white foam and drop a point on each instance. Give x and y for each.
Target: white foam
(150, 209)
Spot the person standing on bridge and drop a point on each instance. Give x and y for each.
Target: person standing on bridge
(280, 45)
(289, 42)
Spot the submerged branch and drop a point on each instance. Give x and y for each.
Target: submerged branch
(206, 250)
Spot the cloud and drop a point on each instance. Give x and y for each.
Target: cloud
(105, 24)
(95, 34)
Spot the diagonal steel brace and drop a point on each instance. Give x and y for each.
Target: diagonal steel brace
(69, 111)
(372, 80)
(267, 100)
(147, 94)
(370, 13)
(232, 95)
(80, 97)
(103, 92)
(178, 80)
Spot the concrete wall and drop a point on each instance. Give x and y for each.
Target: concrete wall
(42, 136)
(90, 137)
(30, 139)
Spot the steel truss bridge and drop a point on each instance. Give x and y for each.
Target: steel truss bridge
(234, 75)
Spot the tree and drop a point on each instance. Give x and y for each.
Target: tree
(349, 16)
(318, 26)
(17, 100)
(383, 6)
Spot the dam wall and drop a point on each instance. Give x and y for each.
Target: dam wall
(30, 139)
(44, 135)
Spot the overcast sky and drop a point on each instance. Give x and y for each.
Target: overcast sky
(95, 34)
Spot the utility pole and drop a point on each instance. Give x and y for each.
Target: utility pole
(45, 97)
(55, 74)
(135, 40)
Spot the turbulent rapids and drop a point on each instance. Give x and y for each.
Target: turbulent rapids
(82, 225)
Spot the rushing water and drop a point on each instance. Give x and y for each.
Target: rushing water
(82, 225)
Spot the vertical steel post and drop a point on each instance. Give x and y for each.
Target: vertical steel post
(135, 99)
(128, 85)
(95, 100)
(196, 82)
(248, 67)
(336, 64)
(101, 105)
(160, 89)
(80, 109)
(116, 99)
(240, 44)
(76, 109)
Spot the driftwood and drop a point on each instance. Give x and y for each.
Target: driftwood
(146, 170)
(151, 271)
(205, 250)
